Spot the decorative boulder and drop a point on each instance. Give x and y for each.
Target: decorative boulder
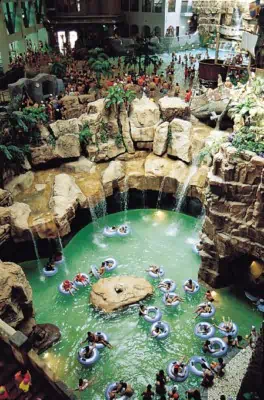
(144, 113)
(115, 293)
(15, 295)
(161, 139)
(64, 127)
(173, 107)
(180, 142)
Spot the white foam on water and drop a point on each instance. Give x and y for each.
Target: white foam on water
(97, 240)
(172, 230)
(192, 241)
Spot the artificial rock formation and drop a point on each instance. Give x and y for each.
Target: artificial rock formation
(180, 141)
(173, 107)
(111, 294)
(15, 295)
(234, 223)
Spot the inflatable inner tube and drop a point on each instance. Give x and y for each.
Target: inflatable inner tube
(251, 297)
(260, 305)
(159, 275)
(196, 287)
(194, 362)
(66, 292)
(219, 346)
(109, 389)
(95, 272)
(113, 263)
(207, 315)
(171, 283)
(174, 303)
(150, 317)
(123, 230)
(88, 361)
(60, 261)
(84, 282)
(50, 273)
(232, 333)
(204, 330)
(195, 249)
(181, 376)
(109, 232)
(104, 336)
(164, 327)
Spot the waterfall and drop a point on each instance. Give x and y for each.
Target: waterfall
(189, 6)
(124, 197)
(182, 189)
(237, 19)
(160, 192)
(39, 264)
(97, 211)
(63, 254)
(144, 198)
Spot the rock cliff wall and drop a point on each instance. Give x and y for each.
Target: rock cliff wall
(233, 230)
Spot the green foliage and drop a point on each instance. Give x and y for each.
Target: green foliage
(117, 96)
(258, 86)
(58, 69)
(244, 107)
(98, 62)
(207, 38)
(119, 140)
(11, 154)
(52, 140)
(103, 132)
(246, 139)
(169, 136)
(210, 150)
(85, 135)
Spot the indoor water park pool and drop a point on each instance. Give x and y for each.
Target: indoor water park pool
(163, 238)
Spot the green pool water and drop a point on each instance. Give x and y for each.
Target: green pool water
(157, 237)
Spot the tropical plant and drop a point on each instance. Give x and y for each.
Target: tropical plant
(99, 63)
(117, 97)
(247, 139)
(211, 150)
(11, 154)
(244, 107)
(103, 132)
(258, 86)
(119, 140)
(58, 69)
(131, 60)
(85, 136)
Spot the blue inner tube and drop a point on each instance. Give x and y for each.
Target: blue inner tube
(108, 231)
(180, 377)
(195, 249)
(251, 297)
(164, 326)
(207, 315)
(95, 272)
(88, 361)
(193, 365)
(159, 275)
(108, 390)
(65, 292)
(127, 230)
(60, 261)
(196, 287)
(198, 330)
(174, 304)
(260, 306)
(85, 283)
(105, 337)
(114, 264)
(171, 288)
(157, 316)
(50, 273)
(222, 346)
(232, 333)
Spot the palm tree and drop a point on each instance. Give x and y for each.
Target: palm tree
(98, 62)
(116, 98)
(58, 69)
(146, 52)
(131, 59)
